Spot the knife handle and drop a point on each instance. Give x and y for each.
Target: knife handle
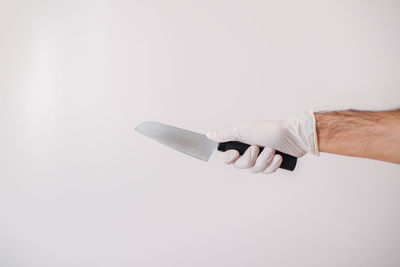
(288, 161)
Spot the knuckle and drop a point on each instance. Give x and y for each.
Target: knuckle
(268, 152)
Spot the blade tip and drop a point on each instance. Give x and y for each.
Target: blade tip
(140, 125)
(146, 124)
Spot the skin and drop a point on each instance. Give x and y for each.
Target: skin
(365, 134)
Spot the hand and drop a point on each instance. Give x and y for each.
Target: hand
(295, 136)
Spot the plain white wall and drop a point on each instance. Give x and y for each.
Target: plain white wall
(78, 187)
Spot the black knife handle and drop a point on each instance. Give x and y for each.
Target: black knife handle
(288, 161)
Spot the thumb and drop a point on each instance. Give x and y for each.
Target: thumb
(231, 134)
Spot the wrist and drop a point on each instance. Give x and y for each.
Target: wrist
(303, 126)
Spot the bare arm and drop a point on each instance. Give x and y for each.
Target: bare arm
(366, 134)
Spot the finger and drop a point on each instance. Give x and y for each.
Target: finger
(230, 156)
(275, 164)
(221, 135)
(263, 160)
(248, 159)
(231, 134)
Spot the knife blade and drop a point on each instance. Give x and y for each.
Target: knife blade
(198, 145)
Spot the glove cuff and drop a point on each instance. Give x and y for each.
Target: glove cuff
(314, 136)
(305, 128)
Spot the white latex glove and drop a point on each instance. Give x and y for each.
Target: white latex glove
(295, 136)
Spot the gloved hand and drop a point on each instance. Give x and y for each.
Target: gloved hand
(296, 136)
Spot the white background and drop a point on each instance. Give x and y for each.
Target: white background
(78, 187)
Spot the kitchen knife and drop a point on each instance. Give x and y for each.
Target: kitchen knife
(198, 145)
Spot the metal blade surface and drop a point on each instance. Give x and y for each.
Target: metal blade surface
(188, 142)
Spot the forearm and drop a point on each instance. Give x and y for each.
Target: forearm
(366, 134)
